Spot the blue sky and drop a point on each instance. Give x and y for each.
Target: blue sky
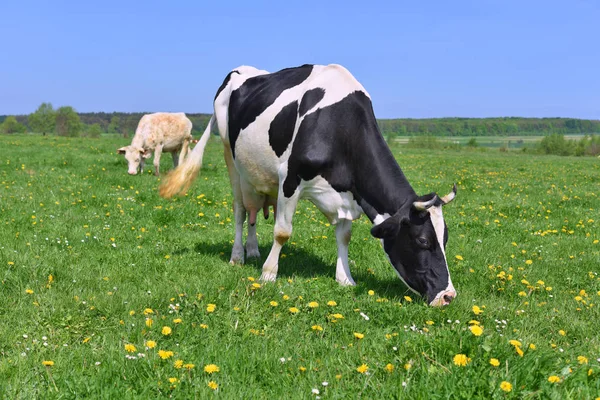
(417, 59)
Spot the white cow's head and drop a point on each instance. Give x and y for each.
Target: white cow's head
(135, 157)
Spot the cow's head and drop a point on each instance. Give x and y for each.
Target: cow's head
(135, 157)
(415, 241)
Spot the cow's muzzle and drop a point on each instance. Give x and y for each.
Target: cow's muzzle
(443, 299)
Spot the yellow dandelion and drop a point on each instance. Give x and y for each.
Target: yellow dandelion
(165, 354)
(177, 321)
(553, 379)
(389, 368)
(149, 322)
(358, 335)
(477, 310)
(317, 328)
(313, 304)
(494, 362)
(130, 348)
(461, 360)
(294, 310)
(48, 363)
(173, 380)
(188, 366)
(515, 343)
(473, 322)
(211, 368)
(87, 339)
(476, 330)
(148, 311)
(529, 262)
(213, 385)
(331, 303)
(203, 326)
(562, 333)
(178, 364)
(285, 297)
(407, 298)
(429, 322)
(166, 330)
(582, 360)
(532, 346)
(371, 292)
(255, 285)
(211, 308)
(274, 304)
(150, 344)
(458, 257)
(362, 368)
(28, 291)
(132, 312)
(407, 366)
(302, 369)
(506, 386)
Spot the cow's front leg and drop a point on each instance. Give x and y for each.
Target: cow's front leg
(286, 207)
(343, 233)
(157, 153)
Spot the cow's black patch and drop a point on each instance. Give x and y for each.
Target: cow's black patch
(256, 94)
(342, 143)
(310, 99)
(282, 127)
(225, 82)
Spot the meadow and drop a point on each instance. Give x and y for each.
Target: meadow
(109, 291)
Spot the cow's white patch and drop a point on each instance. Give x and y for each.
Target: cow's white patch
(380, 218)
(437, 219)
(335, 205)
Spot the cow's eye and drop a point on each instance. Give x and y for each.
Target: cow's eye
(423, 242)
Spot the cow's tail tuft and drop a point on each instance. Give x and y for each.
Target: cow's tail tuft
(179, 180)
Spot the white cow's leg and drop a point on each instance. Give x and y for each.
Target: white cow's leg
(157, 153)
(286, 207)
(343, 232)
(175, 159)
(239, 212)
(184, 150)
(252, 242)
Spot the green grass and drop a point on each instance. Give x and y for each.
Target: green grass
(114, 248)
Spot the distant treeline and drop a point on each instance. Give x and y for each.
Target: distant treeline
(506, 126)
(126, 123)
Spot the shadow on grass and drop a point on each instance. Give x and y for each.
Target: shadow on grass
(306, 265)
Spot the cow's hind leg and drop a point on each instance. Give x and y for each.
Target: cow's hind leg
(343, 233)
(237, 253)
(252, 242)
(286, 207)
(175, 159)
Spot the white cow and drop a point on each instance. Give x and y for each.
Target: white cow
(158, 132)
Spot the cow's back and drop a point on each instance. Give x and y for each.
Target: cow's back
(168, 129)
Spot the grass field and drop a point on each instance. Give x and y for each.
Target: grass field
(95, 267)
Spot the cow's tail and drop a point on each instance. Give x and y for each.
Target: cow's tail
(178, 181)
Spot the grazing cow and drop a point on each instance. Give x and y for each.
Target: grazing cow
(158, 133)
(310, 132)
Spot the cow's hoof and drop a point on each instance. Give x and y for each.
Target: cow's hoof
(252, 253)
(346, 281)
(268, 277)
(236, 261)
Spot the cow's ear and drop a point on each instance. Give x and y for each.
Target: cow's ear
(147, 153)
(388, 228)
(122, 150)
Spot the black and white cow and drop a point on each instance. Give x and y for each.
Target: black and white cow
(310, 133)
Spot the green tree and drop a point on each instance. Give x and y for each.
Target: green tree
(68, 122)
(113, 126)
(43, 120)
(94, 130)
(11, 125)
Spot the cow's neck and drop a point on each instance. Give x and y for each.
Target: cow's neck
(381, 187)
